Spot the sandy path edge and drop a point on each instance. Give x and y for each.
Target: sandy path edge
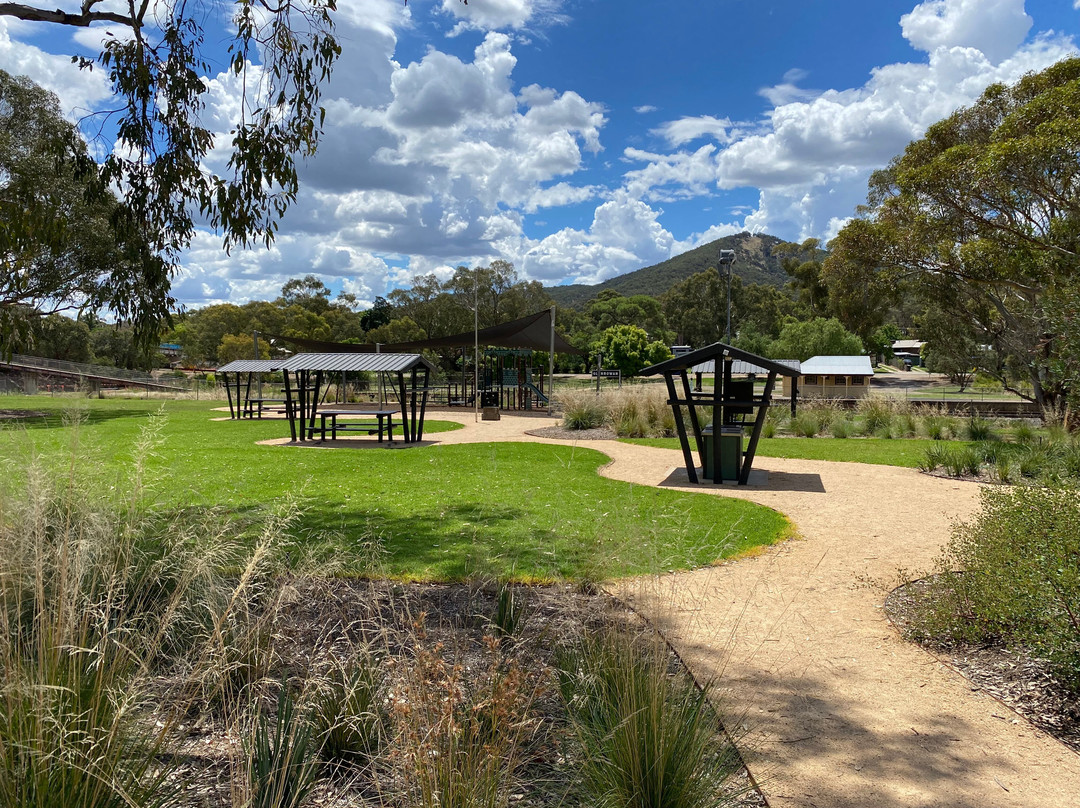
(839, 711)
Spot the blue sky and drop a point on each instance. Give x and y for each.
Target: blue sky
(580, 139)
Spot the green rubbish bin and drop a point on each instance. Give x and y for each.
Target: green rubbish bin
(730, 452)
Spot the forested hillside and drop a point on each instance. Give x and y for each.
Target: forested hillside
(754, 263)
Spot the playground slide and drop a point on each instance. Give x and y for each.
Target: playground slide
(537, 392)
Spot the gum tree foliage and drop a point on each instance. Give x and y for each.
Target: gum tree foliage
(802, 263)
(629, 348)
(284, 51)
(822, 336)
(609, 308)
(984, 212)
(66, 241)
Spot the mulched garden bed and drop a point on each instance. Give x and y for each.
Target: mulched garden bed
(330, 617)
(1019, 680)
(562, 433)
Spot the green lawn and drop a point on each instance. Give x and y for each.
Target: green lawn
(528, 511)
(906, 452)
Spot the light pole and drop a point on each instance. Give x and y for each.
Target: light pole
(726, 259)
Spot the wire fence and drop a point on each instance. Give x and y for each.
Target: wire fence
(82, 373)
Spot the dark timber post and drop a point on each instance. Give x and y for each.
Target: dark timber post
(759, 422)
(228, 392)
(680, 427)
(290, 408)
(695, 423)
(719, 377)
(423, 404)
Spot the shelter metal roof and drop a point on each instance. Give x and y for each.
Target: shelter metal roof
(718, 350)
(373, 362)
(251, 366)
(838, 366)
(742, 368)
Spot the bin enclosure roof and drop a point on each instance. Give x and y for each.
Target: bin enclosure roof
(719, 350)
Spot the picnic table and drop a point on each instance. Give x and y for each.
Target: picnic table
(384, 420)
(253, 407)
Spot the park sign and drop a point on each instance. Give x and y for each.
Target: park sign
(615, 373)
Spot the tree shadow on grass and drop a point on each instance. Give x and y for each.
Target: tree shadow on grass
(59, 418)
(454, 542)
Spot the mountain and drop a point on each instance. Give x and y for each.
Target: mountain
(754, 263)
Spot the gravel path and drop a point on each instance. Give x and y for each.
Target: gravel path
(838, 710)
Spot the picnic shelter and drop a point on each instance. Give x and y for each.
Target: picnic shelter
(238, 376)
(306, 376)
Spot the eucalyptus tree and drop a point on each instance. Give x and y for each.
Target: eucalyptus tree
(66, 241)
(283, 51)
(984, 212)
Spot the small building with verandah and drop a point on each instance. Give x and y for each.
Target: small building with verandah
(834, 377)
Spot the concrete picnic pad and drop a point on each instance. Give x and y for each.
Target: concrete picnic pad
(837, 709)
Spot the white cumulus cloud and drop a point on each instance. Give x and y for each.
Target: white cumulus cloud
(995, 27)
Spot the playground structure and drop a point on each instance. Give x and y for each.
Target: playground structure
(508, 380)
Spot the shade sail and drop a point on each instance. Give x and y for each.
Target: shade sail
(533, 332)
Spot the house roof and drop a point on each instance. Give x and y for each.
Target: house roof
(908, 345)
(251, 366)
(373, 362)
(742, 368)
(838, 366)
(715, 351)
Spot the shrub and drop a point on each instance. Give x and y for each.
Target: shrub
(349, 712)
(804, 425)
(1003, 470)
(461, 732)
(877, 413)
(907, 425)
(644, 736)
(978, 429)
(961, 460)
(1020, 580)
(582, 409)
(1024, 433)
(935, 457)
(282, 767)
(823, 411)
(936, 427)
(842, 428)
(96, 588)
(1034, 459)
(509, 612)
(991, 451)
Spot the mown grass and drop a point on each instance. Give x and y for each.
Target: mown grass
(512, 511)
(907, 453)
